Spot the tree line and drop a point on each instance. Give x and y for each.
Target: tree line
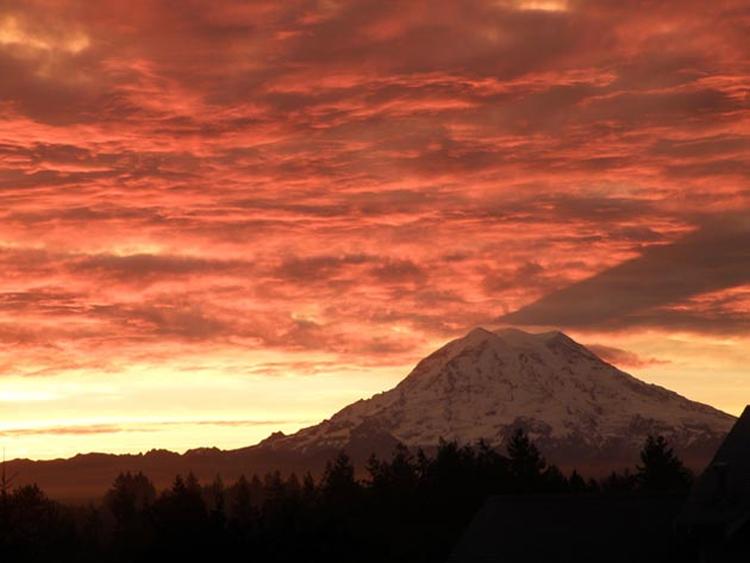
(410, 507)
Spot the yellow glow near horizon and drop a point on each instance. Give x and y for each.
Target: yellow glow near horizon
(241, 403)
(179, 405)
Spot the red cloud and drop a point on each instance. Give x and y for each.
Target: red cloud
(328, 175)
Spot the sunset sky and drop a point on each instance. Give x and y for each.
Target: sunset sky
(221, 219)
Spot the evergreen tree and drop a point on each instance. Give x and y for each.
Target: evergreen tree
(338, 483)
(242, 510)
(181, 519)
(129, 496)
(576, 484)
(192, 485)
(256, 490)
(293, 487)
(553, 480)
(661, 470)
(130, 500)
(492, 472)
(399, 476)
(274, 494)
(451, 468)
(525, 462)
(615, 482)
(35, 528)
(273, 488)
(216, 502)
(402, 470)
(309, 490)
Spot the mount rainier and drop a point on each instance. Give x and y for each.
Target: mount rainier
(575, 406)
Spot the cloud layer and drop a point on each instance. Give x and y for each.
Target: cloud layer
(656, 287)
(358, 181)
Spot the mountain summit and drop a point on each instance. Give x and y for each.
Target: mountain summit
(577, 407)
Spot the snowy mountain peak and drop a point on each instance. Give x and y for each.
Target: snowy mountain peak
(486, 384)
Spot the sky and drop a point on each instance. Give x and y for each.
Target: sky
(222, 219)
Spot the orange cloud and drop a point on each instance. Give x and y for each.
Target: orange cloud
(360, 181)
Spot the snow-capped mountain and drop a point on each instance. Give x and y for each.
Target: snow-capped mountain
(575, 406)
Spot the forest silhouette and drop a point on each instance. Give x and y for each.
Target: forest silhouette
(412, 507)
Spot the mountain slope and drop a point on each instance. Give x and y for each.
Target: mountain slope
(485, 385)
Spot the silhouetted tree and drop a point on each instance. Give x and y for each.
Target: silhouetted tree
(309, 490)
(216, 505)
(661, 470)
(129, 496)
(193, 486)
(215, 495)
(35, 528)
(129, 501)
(256, 490)
(181, 519)
(615, 482)
(412, 508)
(492, 469)
(243, 516)
(450, 469)
(576, 484)
(293, 486)
(526, 463)
(273, 491)
(338, 484)
(398, 477)
(552, 481)
(279, 507)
